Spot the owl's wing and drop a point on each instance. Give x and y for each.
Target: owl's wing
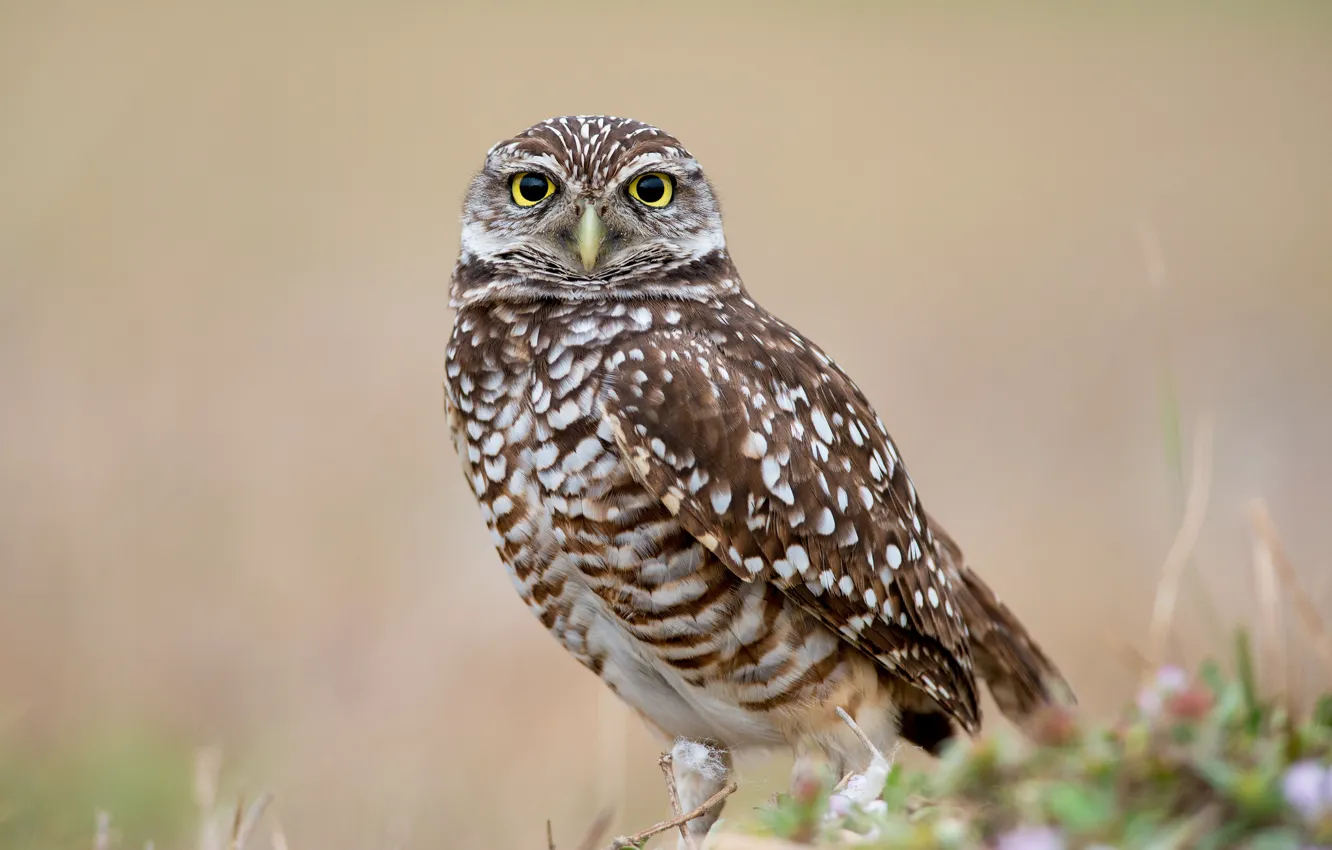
(774, 460)
(456, 425)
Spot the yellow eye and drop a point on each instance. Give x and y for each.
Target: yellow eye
(530, 188)
(654, 189)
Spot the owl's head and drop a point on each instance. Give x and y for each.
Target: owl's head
(591, 206)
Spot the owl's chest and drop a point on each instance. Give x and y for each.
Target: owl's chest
(541, 460)
(598, 559)
(522, 434)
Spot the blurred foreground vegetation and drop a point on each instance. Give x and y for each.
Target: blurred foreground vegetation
(1199, 761)
(1202, 760)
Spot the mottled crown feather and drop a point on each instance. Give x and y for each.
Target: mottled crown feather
(593, 148)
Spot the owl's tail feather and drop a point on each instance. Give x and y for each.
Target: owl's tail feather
(1021, 678)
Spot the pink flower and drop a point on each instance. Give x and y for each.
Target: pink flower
(1169, 680)
(1307, 787)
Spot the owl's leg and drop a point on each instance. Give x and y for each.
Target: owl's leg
(816, 764)
(826, 747)
(701, 770)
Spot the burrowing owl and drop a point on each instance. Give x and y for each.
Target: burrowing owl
(691, 496)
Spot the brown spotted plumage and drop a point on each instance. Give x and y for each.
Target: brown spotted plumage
(691, 496)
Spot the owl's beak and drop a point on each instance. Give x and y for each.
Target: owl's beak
(591, 231)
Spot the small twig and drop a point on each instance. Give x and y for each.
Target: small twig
(550, 836)
(1195, 509)
(1154, 262)
(246, 822)
(1270, 633)
(876, 772)
(841, 783)
(236, 819)
(667, 764)
(860, 733)
(637, 839)
(1309, 617)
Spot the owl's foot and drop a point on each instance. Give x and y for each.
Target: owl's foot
(861, 790)
(700, 771)
(699, 777)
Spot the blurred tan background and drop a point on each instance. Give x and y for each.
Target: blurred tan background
(229, 510)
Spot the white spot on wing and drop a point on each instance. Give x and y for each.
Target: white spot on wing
(721, 498)
(894, 556)
(825, 524)
(821, 425)
(798, 557)
(754, 446)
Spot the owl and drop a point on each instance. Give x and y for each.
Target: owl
(689, 494)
